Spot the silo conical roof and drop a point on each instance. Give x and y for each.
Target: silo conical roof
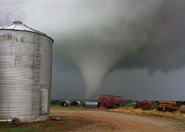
(18, 25)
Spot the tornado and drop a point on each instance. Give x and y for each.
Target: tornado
(97, 35)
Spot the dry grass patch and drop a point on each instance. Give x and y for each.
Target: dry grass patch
(129, 110)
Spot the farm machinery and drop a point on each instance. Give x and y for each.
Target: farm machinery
(166, 106)
(143, 105)
(110, 101)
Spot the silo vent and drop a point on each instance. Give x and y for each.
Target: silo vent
(17, 22)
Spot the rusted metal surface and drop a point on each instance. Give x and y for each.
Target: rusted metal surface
(25, 74)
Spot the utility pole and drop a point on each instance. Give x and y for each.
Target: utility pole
(58, 99)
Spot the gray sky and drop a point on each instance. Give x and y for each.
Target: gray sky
(132, 48)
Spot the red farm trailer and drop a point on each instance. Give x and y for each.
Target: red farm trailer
(110, 101)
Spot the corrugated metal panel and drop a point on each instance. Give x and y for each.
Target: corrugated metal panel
(25, 71)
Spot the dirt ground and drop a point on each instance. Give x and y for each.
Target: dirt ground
(98, 120)
(118, 122)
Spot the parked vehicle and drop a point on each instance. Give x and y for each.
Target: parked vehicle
(166, 106)
(110, 101)
(143, 105)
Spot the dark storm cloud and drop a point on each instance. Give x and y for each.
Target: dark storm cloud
(149, 32)
(97, 21)
(164, 46)
(144, 34)
(164, 50)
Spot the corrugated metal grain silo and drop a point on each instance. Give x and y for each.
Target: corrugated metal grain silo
(25, 73)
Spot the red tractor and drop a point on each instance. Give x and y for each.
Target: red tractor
(110, 101)
(143, 105)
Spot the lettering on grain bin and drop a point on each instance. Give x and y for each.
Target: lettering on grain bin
(110, 101)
